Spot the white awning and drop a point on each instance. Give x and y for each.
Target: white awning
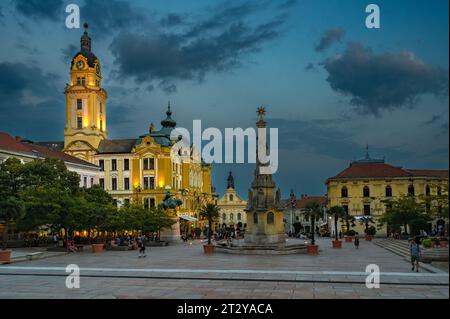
(188, 218)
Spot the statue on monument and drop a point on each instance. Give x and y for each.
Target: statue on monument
(169, 202)
(230, 181)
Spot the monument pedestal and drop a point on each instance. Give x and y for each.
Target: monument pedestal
(172, 234)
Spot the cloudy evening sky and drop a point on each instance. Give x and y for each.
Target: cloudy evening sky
(330, 85)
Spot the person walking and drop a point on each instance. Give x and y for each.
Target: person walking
(142, 243)
(356, 241)
(414, 249)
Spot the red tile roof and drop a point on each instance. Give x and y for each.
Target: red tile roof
(9, 143)
(429, 172)
(383, 170)
(305, 200)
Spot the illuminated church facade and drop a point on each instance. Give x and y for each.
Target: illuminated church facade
(137, 169)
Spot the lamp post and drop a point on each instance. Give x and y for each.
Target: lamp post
(293, 205)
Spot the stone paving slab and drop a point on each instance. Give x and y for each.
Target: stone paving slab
(335, 273)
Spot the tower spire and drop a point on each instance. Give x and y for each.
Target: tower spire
(367, 151)
(85, 39)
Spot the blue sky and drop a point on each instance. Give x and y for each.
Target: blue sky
(219, 60)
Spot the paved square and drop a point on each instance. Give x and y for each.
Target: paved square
(182, 271)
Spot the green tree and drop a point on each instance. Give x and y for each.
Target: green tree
(366, 221)
(349, 221)
(315, 211)
(337, 212)
(405, 211)
(210, 212)
(98, 208)
(11, 205)
(52, 196)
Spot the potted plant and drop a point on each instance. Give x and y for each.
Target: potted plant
(370, 232)
(349, 222)
(11, 209)
(434, 242)
(442, 243)
(210, 212)
(313, 210)
(427, 243)
(337, 212)
(349, 235)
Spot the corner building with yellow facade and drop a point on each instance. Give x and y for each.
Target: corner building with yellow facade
(363, 188)
(138, 169)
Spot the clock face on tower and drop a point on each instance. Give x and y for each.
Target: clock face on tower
(80, 65)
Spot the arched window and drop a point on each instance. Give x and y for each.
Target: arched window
(344, 192)
(255, 218)
(427, 190)
(411, 190)
(231, 197)
(388, 191)
(232, 217)
(239, 216)
(366, 191)
(224, 217)
(270, 218)
(439, 191)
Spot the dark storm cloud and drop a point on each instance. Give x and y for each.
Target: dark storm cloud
(28, 97)
(330, 37)
(310, 67)
(376, 82)
(434, 119)
(217, 43)
(171, 19)
(40, 9)
(110, 16)
(23, 46)
(68, 53)
(287, 4)
(324, 137)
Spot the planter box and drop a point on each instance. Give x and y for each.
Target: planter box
(209, 249)
(313, 249)
(337, 244)
(97, 248)
(369, 237)
(348, 239)
(5, 256)
(442, 243)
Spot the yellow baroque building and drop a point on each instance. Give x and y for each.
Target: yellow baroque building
(363, 187)
(138, 169)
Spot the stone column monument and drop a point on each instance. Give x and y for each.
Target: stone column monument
(264, 207)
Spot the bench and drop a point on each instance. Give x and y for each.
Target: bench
(32, 256)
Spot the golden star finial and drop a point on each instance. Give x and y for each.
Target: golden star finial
(261, 110)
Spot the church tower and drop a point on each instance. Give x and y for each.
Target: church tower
(85, 103)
